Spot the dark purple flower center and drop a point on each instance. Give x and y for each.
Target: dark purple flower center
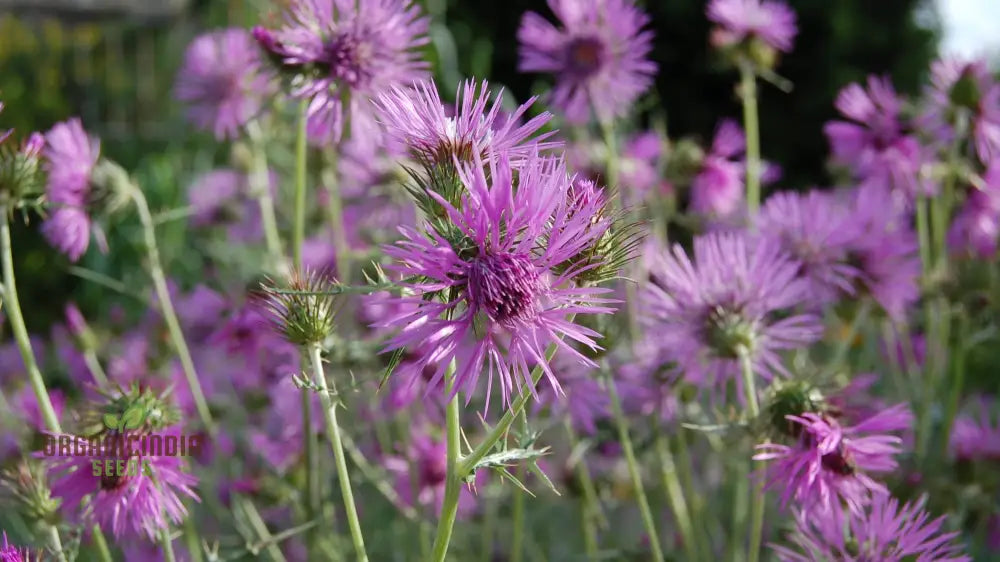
(585, 56)
(350, 58)
(838, 462)
(504, 286)
(434, 468)
(116, 476)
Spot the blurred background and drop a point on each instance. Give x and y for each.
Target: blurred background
(113, 63)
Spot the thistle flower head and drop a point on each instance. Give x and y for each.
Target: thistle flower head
(599, 55)
(416, 118)
(758, 24)
(736, 295)
(486, 290)
(884, 532)
(221, 81)
(964, 92)
(20, 170)
(136, 408)
(831, 464)
(303, 311)
(71, 156)
(25, 483)
(152, 485)
(11, 553)
(335, 49)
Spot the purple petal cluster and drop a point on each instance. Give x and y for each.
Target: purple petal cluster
(505, 296)
(874, 143)
(599, 56)
(717, 190)
(221, 81)
(126, 504)
(416, 118)
(976, 228)
(831, 463)
(345, 52)
(884, 531)
(70, 156)
(734, 292)
(966, 87)
(770, 21)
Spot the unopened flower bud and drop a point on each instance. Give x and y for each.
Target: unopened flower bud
(304, 311)
(110, 187)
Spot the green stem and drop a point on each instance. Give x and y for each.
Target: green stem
(330, 413)
(169, 315)
(675, 497)
(192, 540)
(96, 371)
(748, 92)
(956, 385)
(298, 235)
(19, 329)
(299, 226)
(591, 512)
(56, 544)
(633, 468)
(757, 495)
(101, 543)
(335, 215)
(167, 544)
(685, 470)
(612, 164)
(260, 527)
(860, 316)
(517, 544)
(454, 478)
(923, 235)
(260, 185)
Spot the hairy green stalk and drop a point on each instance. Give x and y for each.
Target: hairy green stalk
(751, 126)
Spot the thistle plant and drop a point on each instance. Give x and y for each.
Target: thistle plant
(528, 327)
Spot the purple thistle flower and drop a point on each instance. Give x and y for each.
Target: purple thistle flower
(976, 437)
(977, 226)
(967, 86)
(883, 532)
(508, 288)
(416, 118)
(11, 553)
(221, 82)
(25, 403)
(732, 295)
(71, 156)
(350, 47)
(717, 190)
(873, 143)
(123, 504)
(583, 398)
(813, 228)
(599, 56)
(772, 22)
(427, 457)
(885, 249)
(640, 167)
(831, 463)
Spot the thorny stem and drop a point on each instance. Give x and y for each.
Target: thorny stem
(260, 527)
(633, 468)
(330, 413)
(454, 478)
(748, 93)
(169, 315)
(757, 495)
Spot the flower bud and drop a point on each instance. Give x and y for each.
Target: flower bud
(110, 187)
(305, 311)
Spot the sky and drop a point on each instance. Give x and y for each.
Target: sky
(971, 27)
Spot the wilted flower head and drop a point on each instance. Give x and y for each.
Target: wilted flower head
(883, 532)
(831, 463)
(736, 295)
(599, 56)
(770, 21)
(346, 48)
(960, 90)
(873, 143)
(143, 500)
(416, 118)
(221, 81)
(493, 267)
(813, 228)
(71, 156)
